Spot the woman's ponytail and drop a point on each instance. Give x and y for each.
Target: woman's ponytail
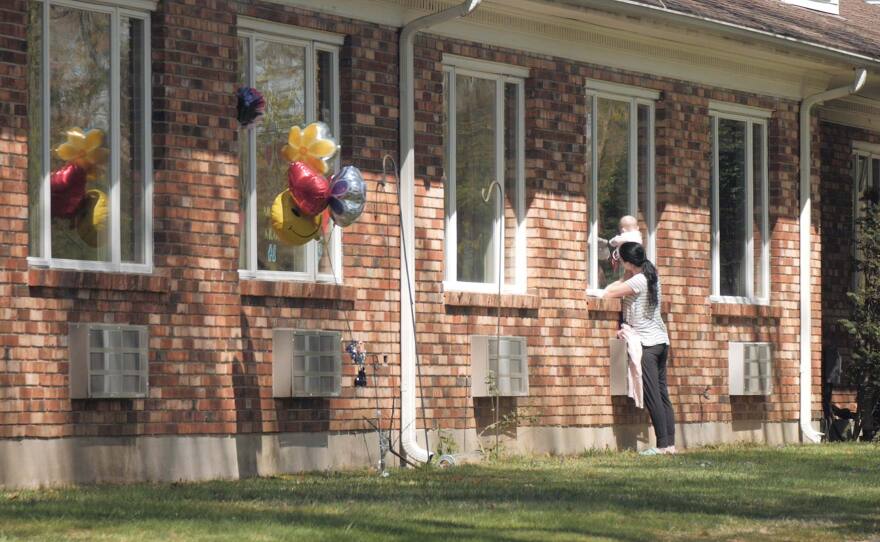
(634, 253)
(650, 273)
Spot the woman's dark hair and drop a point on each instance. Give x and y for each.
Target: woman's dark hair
(634, 253)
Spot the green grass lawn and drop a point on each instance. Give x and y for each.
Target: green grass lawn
(827, 492)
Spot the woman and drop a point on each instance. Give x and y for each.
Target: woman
(640, 290)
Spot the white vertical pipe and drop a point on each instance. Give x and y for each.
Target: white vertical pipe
(805, 253)
(407, 227)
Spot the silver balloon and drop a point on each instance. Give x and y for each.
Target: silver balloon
(348, 195)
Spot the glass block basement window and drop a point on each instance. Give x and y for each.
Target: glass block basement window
(117, 357)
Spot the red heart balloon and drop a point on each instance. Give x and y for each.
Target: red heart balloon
(67, 189)
(309, 189)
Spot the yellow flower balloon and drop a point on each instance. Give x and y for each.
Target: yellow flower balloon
(314, 146)
(85, 150)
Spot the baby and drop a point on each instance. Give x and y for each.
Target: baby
(629, 233)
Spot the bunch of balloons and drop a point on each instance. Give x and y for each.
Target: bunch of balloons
(85, 157)
(310, 200)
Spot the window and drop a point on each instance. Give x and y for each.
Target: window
(866, 187)
(296, 70)
(741, 249)
(484, 143)
(620, 171)
(108, 361)
(306, 363)
(89, 172)
(825, 6)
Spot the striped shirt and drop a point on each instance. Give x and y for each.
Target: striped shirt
(637, 312)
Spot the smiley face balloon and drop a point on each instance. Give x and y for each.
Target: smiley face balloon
(290, 224)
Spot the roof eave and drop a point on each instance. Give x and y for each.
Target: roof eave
(630, 7)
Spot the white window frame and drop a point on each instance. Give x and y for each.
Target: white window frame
(869, 152)
(502, 74)
(635, 96)
(133, 9)
(312, 41)
(751, 116)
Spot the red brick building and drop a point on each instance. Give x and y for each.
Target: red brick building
(159, 330)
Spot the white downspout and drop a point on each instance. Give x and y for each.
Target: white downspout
(407, 227)
(805, 253)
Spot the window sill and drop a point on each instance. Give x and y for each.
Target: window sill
(601, 304)
(508, 301)
(94, 280)
(745, 310)
(312, 290)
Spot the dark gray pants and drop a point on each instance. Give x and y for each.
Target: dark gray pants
(657, 395)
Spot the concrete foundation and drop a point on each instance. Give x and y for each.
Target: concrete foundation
(78, 460)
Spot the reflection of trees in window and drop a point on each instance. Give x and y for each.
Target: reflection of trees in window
(280, 75)
(475, 170)
(79, 86)
(613, 125)
(732, 206)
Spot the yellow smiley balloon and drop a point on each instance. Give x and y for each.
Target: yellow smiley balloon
(91, 222)
(291, 226)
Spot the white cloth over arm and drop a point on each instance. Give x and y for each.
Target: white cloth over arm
(634, 365)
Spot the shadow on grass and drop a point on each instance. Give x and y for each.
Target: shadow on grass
(546, 499)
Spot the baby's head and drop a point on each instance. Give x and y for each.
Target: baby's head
(628, 223)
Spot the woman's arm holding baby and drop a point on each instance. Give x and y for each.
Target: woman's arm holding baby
(618, 289)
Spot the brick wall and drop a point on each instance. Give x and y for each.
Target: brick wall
(210, 332)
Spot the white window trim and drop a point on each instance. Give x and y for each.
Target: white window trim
(313, 42)
(635, 97)
(491, 71)
(750, 299)
(825, 6)
(115, 10)
(865, 148)
(730, 110)
(619, 89)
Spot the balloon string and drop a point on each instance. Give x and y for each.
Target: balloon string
(326, 242)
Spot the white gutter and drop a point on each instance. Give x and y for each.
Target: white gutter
(805, 252)
(407, 226)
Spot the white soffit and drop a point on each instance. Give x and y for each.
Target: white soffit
(732, 65)
(854, 111)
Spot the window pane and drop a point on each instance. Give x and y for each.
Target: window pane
(588, 172)
(732, 206)
(326, 115)
(644, 169)
(612, 130)
(80, 100)
(244, 171)
(475, 170)
(132, 174)
(280, 76)
(512, 215)
(759, 208)
(35, 127)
